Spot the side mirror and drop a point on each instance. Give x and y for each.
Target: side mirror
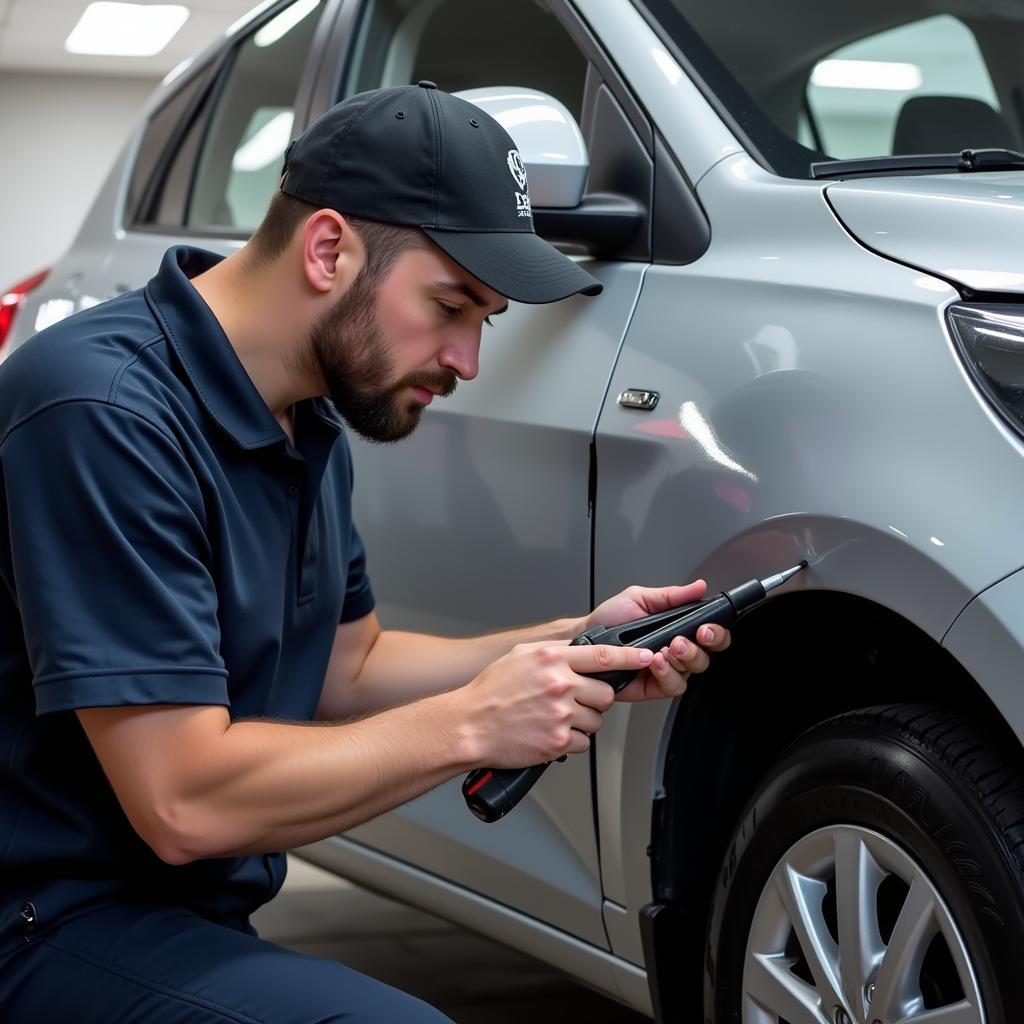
(547, 137)
(555, 154)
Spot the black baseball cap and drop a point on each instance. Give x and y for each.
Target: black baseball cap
(417, 156)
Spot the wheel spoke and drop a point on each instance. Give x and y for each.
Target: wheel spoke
(958, 952)
(896, 987)
(860, 944)
(773, 986)
(801, 896)
(799, 969)
(956, 1013)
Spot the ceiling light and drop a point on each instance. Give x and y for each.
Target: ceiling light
(866, 74)
(284, 22)
(125, 30)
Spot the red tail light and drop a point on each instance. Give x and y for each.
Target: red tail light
(13, 299)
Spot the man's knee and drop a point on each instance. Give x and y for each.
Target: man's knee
(351, 997)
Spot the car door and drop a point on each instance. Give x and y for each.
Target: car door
(480, 521)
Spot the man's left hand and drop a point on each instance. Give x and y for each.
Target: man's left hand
(668, 672)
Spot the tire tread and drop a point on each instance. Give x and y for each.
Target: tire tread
(966, 750)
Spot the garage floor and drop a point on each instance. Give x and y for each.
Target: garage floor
(471, 979)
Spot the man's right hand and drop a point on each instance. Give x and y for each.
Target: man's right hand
(534, 705)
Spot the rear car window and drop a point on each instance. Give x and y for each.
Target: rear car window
(211, 156)
(241, 156)
(161, 140)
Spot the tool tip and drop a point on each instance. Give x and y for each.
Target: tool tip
(779, 578)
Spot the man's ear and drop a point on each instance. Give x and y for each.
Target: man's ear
(332, 253)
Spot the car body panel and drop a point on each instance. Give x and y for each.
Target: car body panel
(774, 410)
(77, 279)
(394, 878)
(985, 639)
(967, 228)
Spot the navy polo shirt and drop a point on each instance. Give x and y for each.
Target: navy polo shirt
(161, 542)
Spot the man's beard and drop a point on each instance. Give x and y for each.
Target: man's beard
(354, 358)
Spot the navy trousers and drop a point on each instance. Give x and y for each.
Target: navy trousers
(160, 965)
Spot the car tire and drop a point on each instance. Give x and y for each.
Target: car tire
(878, 875)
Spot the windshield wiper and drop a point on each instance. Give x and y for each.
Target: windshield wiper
(966, 161)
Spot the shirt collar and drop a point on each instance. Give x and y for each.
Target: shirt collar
(213, 367)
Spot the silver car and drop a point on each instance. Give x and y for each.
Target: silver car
(808, 221)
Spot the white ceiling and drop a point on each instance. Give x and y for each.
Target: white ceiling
(32, 34)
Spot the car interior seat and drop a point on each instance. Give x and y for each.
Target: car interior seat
(948, 124)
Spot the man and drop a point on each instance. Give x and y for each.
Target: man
(184, 591)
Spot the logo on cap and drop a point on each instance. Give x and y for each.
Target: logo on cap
(518, 170)
(517, 167)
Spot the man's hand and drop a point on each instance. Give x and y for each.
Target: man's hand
(671, 667)
(538, 702)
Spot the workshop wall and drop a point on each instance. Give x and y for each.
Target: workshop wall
(61, 136)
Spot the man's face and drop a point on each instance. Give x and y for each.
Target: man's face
(385, 352)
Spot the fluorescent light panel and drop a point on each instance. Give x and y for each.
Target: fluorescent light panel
(125, 30)
(867, 74)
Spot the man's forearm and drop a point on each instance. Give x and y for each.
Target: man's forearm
(401, 667)
(208, 787)
(370, 766)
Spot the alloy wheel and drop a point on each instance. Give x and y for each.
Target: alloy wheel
(850, 930)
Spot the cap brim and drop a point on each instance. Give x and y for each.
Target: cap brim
(518, 264)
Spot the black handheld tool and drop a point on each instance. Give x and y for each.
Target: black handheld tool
(492, 792)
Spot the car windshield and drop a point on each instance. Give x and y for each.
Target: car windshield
(801, 81)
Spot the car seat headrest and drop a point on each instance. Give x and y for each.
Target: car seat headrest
(948, 124)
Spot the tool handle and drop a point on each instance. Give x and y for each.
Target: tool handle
(658, 631)
(491, 793)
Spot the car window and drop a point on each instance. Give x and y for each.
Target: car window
(211, 157)
(798, 80)
(465, 44)
(241, 151)
(857, 94)
(160, 141)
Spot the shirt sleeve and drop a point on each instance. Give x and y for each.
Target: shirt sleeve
(108, 561)
(359, 600)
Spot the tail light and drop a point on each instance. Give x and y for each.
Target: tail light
(13, 299)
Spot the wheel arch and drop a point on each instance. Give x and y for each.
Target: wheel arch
(735, 723)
